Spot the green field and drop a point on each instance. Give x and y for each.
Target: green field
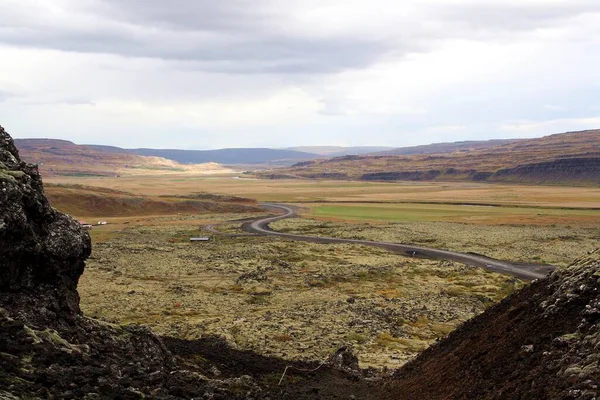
(406, 212)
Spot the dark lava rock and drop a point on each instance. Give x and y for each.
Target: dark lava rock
(42, 251)
(576, 169)
(402, 176)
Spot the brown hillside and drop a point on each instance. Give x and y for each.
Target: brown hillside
(451, 147)
(87, 201)
(540, 343)
(61, 157)
(562, 158)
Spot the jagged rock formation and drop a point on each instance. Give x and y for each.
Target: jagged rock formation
(42, 251)
(540, 343)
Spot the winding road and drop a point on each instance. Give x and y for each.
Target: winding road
(527, 272)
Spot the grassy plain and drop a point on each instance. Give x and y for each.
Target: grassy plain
(91, 202)
(289, 299)
(299, 191)
(529, 244)
(487, 215)
(302, 300)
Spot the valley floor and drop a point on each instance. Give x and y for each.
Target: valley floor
(297, 301)
(302, 301)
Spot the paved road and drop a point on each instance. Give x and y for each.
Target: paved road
(527, 272)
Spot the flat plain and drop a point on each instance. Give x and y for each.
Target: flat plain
(289, 299)
(336, 191)
(301, 300)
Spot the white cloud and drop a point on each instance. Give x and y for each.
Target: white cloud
(290, 106)
(551, 126)
(445, 128)
(555, 107)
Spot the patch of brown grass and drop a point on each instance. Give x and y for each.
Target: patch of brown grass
(86, 201)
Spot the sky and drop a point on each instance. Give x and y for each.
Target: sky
(199, 74)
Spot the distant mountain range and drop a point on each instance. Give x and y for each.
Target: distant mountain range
(61, 157)
(247, 156)
(65, 157)
(572, 157)
(336, 151)
(451, 147)
(566, 157)
(240, 156)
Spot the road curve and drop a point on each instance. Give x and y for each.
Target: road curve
(527, 272)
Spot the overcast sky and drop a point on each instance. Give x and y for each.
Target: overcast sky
(255, 73)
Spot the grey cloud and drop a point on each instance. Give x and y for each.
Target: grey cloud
(265, 55)
(228, 52)
(288, 56)
(71, 101)
(198, 15)
(481, 17)
(255, 16)
(246, 36)
(217, 38)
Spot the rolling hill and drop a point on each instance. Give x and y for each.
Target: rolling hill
(336, 151)
(572, 157)
(92, 201)
(239, 156)
(449, 147)
(61, 157)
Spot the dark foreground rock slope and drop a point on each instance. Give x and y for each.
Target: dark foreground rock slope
(540, 343)
(47, 348)
(42, 252)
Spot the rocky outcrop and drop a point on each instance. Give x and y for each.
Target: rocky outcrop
(42, 252)
(540, 343)
(560, 171)
(327, 175)
(304, 163)
(586, 170)
(350, 157)
(402, 176)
